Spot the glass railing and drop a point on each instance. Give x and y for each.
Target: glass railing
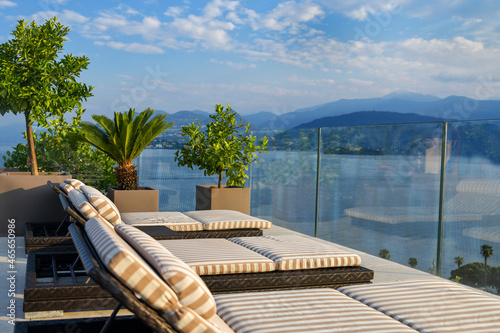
(425, 195)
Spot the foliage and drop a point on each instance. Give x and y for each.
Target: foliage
(473, 274)
(123, 138)
(384, 254)
(224, 146)
(59, 150)
(36, 81)
(486, 252)
(459, 261)
(432, 269)
(413, 262)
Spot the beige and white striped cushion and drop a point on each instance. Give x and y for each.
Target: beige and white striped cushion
(213, 256)
(102, 204)
(481, 186)
(173, 220)
(291, 252)
(488, 234)
(82, 204)
(306, 310)
(128, 267)
(66, 188)
(189, 287)
(220, 219)
(432, 305)
(74, 182)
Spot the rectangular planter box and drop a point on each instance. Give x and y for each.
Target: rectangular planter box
(233, 198)
(27, 198)
(145, 200)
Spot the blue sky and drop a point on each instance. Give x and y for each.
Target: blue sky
(274, 56)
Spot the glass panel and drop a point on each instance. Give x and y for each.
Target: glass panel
(472, 205)
(379, 190)
(284, 179)
(177, 185)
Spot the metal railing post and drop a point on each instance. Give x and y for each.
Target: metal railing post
(318, 160)
(444, 141)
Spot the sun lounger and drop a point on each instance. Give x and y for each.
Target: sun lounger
(195, 224)
(432, 305)
(223, 265)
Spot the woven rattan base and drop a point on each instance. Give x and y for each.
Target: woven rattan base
(57, 281)
(126, 324)
(43, 237)
(309, 278)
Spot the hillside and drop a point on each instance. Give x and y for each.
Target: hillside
(369, 118)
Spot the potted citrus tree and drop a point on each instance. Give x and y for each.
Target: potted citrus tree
(223, 148)
(40, 83)
(123, 138)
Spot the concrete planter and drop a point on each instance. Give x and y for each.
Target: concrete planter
(26, 198)
(233, 198)
(143, 200)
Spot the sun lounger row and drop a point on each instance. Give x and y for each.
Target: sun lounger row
(169, 298)
(232, 265)
(83, 202)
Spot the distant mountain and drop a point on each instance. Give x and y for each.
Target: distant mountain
(455, 107)
(369, 118)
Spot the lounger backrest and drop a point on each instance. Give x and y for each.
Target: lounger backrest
(188, 286)
(102, 204)
(128, 267)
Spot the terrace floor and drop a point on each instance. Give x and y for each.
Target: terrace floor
(385, 271)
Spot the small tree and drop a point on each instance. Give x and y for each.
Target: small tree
(124, 138)
(486, 252)
(221, 147)
(413, 262)
(459, 261)
(384, 253)
(35, 82)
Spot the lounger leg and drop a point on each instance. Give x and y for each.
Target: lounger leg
(111, 318)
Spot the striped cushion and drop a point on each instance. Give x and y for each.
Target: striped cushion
(211, 256)
(291, 252)
(220, 219)
(126, 265)
(74, 182)
(66, 188)
(173, 220)
(306, 310)
(480, 186)
(396, 215)
(488, 234)
(432, 305)
(81, 203)
(190, 289)
(102, 204)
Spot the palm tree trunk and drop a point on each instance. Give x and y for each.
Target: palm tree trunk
(126, 175)
(31, 145)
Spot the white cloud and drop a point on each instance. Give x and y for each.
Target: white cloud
(132, 47)
(286, 15)
(311, 82)
(362, 9)
(6, 4)
(174, 11)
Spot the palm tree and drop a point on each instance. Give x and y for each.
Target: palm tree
(486, 252)
(124, 138)
(459, 261)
